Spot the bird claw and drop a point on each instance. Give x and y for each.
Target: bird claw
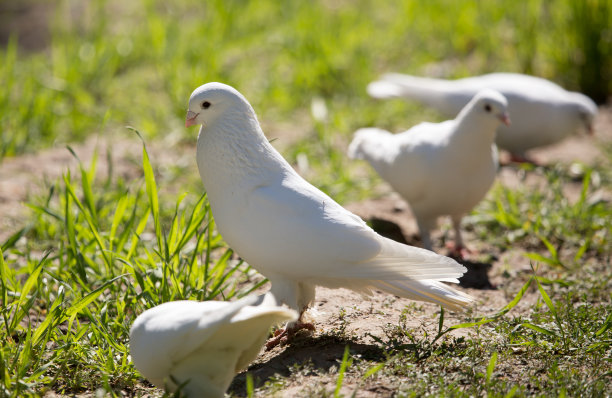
(282, 336)
(517, 158)
(458, 251)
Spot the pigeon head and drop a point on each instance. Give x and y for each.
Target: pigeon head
(491, 103)
(586, 110)
(212, 100)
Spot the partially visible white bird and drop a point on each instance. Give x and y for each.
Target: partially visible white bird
(439, 168)
(543, 112)
(294, 234)
(202, 344)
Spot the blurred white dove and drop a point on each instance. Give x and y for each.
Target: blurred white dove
(439, 168)
(543, 112)
(294, 234)
(200, 346)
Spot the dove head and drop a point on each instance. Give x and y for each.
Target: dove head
(490, 104)
(585, 111)
(211, 101)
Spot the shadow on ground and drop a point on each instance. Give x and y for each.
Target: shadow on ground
(388, 229)
(314, 354)
(477, 275)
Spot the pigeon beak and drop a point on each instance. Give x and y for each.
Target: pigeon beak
(190, 118)
(505, 118)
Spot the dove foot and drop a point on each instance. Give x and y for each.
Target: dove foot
(282, 336)
(458, 251)
(520, 158)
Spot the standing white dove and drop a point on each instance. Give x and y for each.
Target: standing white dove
(439, 168)
(294, 234)
(200, 346)
(546, 113)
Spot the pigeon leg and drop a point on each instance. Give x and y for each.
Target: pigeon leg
(294, 295)
(424, 228)
(282, 336)
(521, 158)
(457, 249)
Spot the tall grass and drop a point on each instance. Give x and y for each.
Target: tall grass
(98, 255)
(112, 63)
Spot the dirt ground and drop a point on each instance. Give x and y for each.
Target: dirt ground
(337, 313)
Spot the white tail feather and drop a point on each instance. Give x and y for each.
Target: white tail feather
(428, 290)
(367, 143)
(429, 91)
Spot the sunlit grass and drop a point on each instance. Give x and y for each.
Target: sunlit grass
(98, 255)
(112, 63)
(547, 218)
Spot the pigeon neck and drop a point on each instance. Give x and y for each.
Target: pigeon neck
(476, 127)
(235, 151)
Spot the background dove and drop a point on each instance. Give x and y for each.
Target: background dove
(543, 112)
(294, 234)
(439, 168)
(202, 343)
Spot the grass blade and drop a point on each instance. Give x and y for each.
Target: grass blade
(10, 242)
(4, 273)
(32, 279)
(346, 362)
(86, 185)
(117, 218)
(485, 320)
(250, 389)
(606, 325)
(537, 328)
(88, 298)
(491, 367)
(374, 369)
(151, 188)
(92, 226)
(54, 317)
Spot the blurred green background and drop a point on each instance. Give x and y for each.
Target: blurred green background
(72, 68)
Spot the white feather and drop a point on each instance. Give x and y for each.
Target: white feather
(439, 168)
(287, 229)
(544, 113)
(202, 344)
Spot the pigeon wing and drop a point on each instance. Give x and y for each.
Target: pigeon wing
(164, 335)
(310, 225)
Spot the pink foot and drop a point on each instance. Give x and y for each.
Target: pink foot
(282, 336)
(458, 251)
(516, 158)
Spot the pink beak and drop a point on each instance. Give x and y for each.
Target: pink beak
(190, 118)
(505, 118)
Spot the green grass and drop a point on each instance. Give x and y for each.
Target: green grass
(100, 257)
(111, 63)
(96, 252)
(100, 252)
(570, 231)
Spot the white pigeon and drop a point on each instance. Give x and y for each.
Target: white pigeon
(439, 168)
(294, 234)
(200, 346)
(543, 112)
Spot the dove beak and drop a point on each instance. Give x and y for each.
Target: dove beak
(505, 118)
(190, 118)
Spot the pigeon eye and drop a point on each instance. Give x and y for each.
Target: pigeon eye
(205, 105)
(487, 108)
